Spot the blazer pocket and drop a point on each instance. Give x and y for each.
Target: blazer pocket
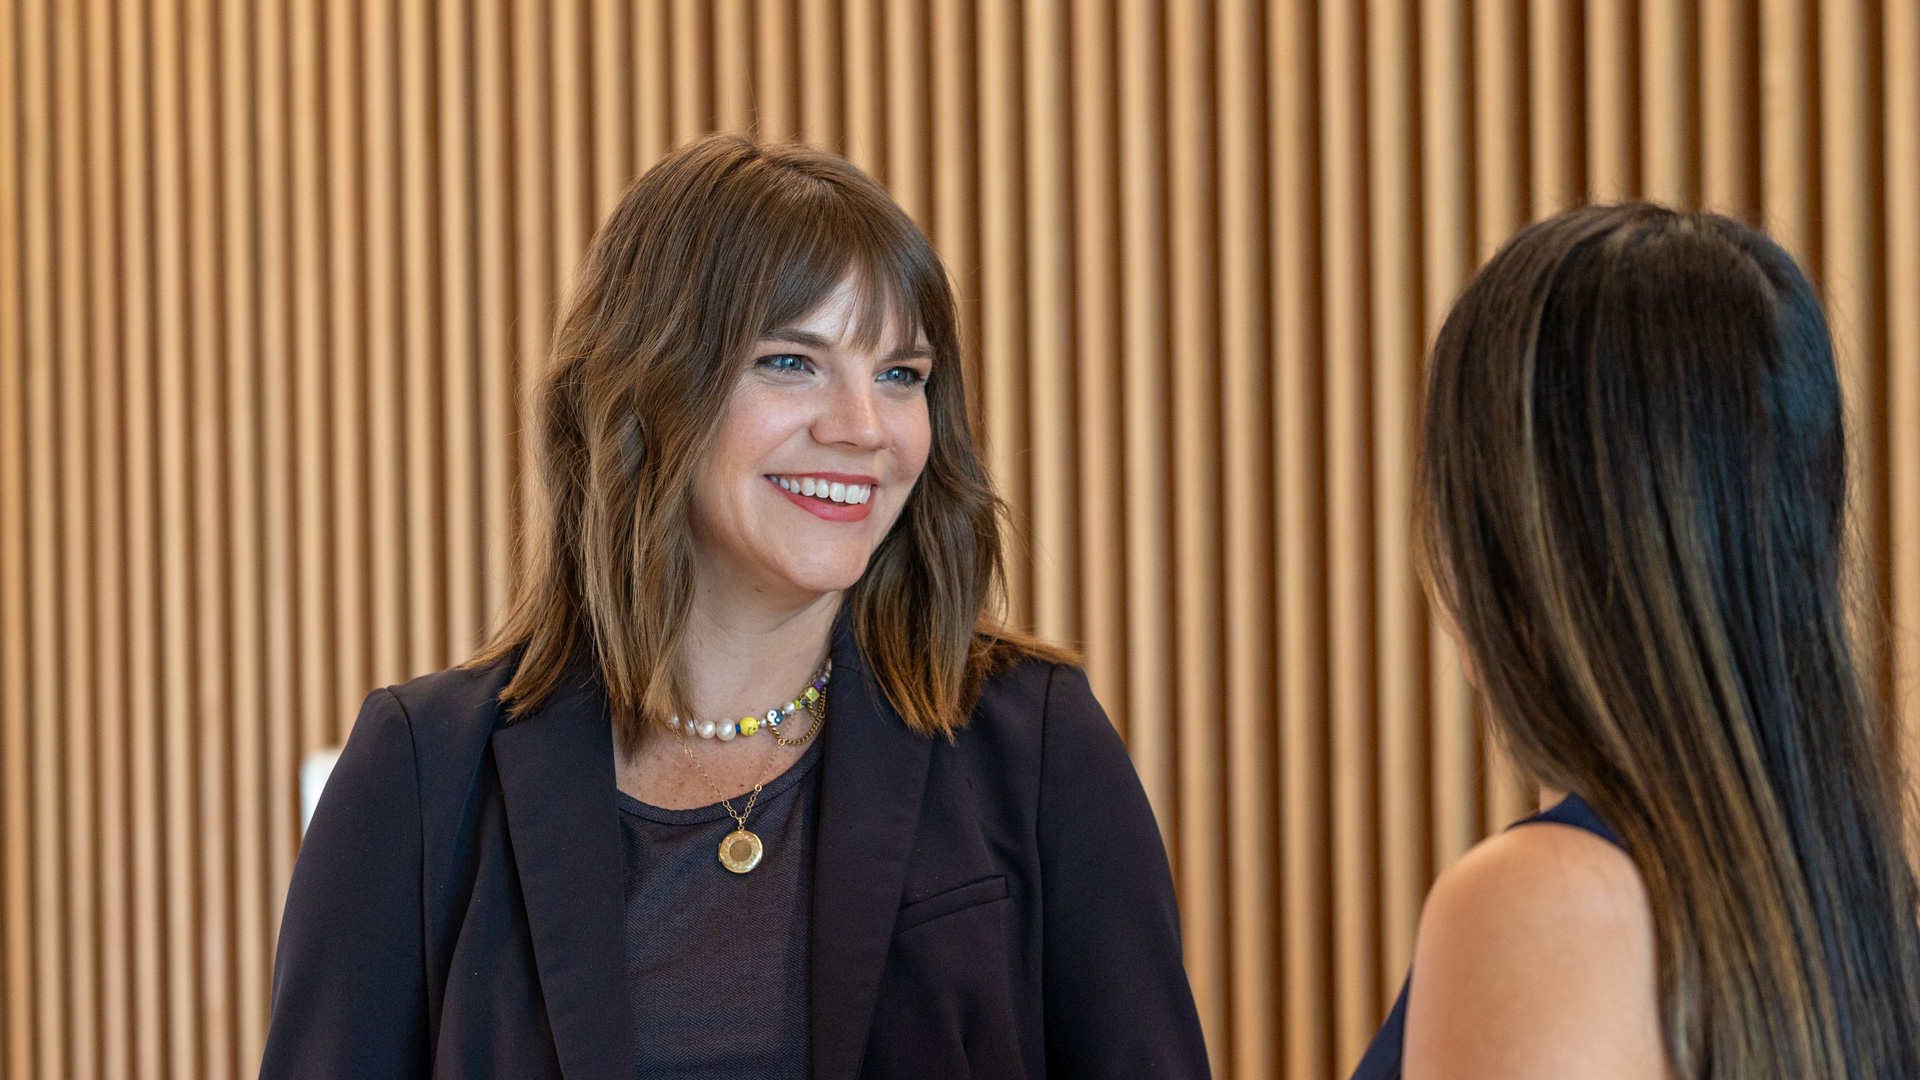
(959, 898)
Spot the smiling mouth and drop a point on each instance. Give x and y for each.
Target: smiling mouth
(831, 491)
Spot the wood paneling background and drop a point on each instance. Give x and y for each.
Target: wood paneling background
(274, 276)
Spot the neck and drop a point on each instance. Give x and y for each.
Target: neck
(742, 660)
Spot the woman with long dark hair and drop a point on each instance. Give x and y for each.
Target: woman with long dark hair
(1633, 503)
(751, 781)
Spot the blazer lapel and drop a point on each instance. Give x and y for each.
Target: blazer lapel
(557, 779)
(873, 777)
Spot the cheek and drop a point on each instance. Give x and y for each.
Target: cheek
(913, 441)
(754, 426)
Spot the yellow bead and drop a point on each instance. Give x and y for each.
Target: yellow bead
(812, 693)
(749, 725)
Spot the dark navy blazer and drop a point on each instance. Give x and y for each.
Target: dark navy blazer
(999, 905)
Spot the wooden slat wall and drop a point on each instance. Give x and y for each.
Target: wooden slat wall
(274, 278)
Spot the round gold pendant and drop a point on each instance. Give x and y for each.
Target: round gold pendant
(740, 851)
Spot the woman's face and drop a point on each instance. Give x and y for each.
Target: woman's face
(820, 447)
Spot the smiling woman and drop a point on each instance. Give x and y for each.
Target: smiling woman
(619, 837)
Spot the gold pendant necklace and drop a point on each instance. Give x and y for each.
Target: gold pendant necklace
(741, 849)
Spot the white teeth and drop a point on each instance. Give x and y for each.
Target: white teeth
(847, 494)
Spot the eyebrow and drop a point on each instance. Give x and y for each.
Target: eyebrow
(811, 340)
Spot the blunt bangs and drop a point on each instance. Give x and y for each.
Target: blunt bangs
(793, 235)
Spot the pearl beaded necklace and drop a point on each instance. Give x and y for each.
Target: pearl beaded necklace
(727, 730)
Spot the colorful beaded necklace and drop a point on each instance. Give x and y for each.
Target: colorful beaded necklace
(813, 699)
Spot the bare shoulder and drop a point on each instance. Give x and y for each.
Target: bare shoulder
(1536, 958)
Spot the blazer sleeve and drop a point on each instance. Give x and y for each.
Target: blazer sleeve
(349, 982)
(1116, 995)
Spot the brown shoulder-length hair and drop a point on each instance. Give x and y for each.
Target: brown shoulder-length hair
(1633, 487)
(723, 241)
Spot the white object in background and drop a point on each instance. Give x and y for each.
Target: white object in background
(313, 777)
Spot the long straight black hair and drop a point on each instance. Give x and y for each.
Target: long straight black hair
(1633, 477)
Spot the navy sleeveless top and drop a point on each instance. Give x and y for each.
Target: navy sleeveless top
(1382, 1059)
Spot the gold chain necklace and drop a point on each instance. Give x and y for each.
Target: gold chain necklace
(741, 850)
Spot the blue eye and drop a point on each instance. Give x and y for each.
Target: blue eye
(904, 376)
(792, 363)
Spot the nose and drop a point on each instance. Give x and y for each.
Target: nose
(851, 417)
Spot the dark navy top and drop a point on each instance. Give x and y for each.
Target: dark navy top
(1382, 1059)
(717, 961)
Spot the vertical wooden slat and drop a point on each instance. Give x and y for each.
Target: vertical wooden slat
(1555, 56)
(1670, 101)
(613, 68)
(1195, 501)
(41, 533)
(532, 217)
(820, 61)
(733, 65)
(777, 69)
(280, 329)
(78, 723)
(1447, 186)
(1096, 320)
(1852, 259)
(44, 672)
(186, 1050)
(1003, 287)
(16, 908)
(906, 58)
(692, 70)
(1144, 395)
(863, 88)
(461, 450)
(1349, 465)
(1306, 857)
(116, 956)
(955, 229)
(1613, 48)
(499, 423)
(370, 402)
(1789, 139)
(1246, 394)
(653, 84)
(1393, 167)
(207, 724)
(245, 795)
(1048, 394)
(1502, 114)
(363, 222)
(1902, 69)
(314, 662)
(572, 124)
(1730, 107)
(424, 492)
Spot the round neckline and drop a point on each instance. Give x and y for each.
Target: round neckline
(701, 815)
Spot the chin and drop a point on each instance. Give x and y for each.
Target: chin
(827, 576)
